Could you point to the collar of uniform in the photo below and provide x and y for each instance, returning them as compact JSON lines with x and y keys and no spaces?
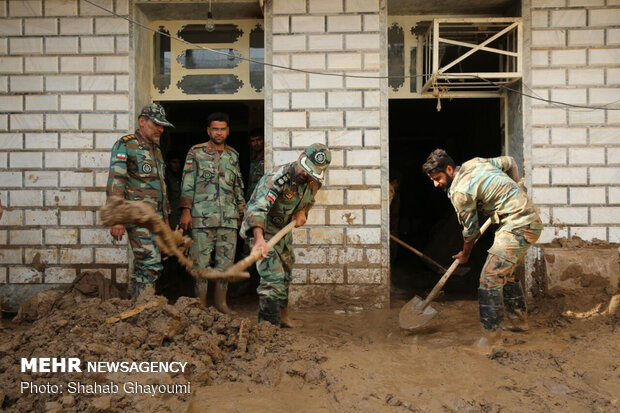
{"x":142,"y":141}
{"x":455,"y":177}
{"x":210,"y":147}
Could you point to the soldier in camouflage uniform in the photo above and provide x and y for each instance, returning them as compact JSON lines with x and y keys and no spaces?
{"x":137,"y":173}
{"x":492,"y":185}
{"x":285,"y":193}
{"x":257,"y":164}
{"x":212,"y":204}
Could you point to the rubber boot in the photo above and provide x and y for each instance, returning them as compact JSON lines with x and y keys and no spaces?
{"x":268,"y":310}
{"x":219,"y":297}
{"x":286,"y":320}
{"x":516,"y":310}
{"x":491,"y":307}
{"x":136,"y":289}
{"x":200,"y":288}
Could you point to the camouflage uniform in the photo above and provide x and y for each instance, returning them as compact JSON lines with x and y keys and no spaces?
{"x":483,"y":183}
{"x":137,"y":174}
{"x":257,"y":169}
{"x":274,"y":202}
{"x":213,"y":190}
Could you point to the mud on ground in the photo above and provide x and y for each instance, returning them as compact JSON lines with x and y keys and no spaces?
{"x":340,"y":361}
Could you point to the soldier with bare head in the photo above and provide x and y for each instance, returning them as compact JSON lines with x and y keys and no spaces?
{"x":137,"y":174}
{"x":493,"y":186}
{"x":212,"y":204}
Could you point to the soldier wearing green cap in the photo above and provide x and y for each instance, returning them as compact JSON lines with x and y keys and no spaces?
{"x":212,"y":205}
{"x":283,"y":194}
{"x":137,"y":174}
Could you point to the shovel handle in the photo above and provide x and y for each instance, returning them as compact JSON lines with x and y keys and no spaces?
{"x":431,"y":296}
{"x":429,"y":260}
{"x":252,"y":258}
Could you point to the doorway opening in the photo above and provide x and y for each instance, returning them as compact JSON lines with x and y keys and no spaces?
{"x":422,"y":215}
{"x":190,"y":121}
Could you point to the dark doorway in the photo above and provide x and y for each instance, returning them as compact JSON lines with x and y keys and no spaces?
{"x":424,"y":217}
{"x":190,"y":121}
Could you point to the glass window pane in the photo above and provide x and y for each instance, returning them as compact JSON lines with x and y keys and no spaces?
{"x":210,"y":84}
{"x":223,"y":33}
{"x":161,"y":68}
{"x":257,"y":55}
{"x":396,"y":56}
{"x":207,"y":59}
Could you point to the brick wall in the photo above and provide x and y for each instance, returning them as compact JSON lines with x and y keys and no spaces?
{"x":342,"y":249}
{"x":64,"y":100}
{"x":576,"y":153}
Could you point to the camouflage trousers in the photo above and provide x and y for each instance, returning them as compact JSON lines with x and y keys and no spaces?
{"x":147,"y":265}
{"x":275,"y":271}
{"x":507,"y":251}
{"x":215,"y":245}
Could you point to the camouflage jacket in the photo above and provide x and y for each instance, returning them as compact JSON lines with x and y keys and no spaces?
{"x":137,"y":172}
{"x":275,"y":200}
{"x":212,"y":186}
{"x":483,"y":183}
{"x":257,"y":169}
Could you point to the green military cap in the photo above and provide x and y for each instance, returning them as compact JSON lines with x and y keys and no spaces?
{"x":315,"y":160}
{"x":156,"y":113}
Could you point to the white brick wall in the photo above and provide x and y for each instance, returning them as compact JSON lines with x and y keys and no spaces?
{"x":335,"y":36}
{"x":64,"y":88}
{"x":575,"y":153}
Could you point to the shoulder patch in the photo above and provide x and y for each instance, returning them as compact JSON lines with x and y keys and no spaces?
{"x":272,"y":196}
{"x":128,"y":137}
{"x":189,"y":162}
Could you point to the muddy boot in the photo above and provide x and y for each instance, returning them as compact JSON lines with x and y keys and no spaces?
{"x":137,"y":288}
{"x":268,"y":310}
{"x":200,"y":288}
{"x":219,"y":297}
{"x":491,"y":306}
{"x":514,"y":303}
{"x":287,"y":321}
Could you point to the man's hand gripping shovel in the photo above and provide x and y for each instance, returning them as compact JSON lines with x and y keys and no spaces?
{"x":416,"y":312}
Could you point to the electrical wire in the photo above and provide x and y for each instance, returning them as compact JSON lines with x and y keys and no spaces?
{"x":345,"y":75}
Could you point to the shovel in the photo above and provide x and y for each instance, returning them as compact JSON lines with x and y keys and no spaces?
{"x":438,"y":268}
{"x":416,"y":312}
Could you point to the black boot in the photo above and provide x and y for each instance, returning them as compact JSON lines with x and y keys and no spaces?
{"x":491,"y":306}
{"x":516,"y":310}
{"x":269,"y":310}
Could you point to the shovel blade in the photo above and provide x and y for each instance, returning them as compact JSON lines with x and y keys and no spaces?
{"x":411,"y":316}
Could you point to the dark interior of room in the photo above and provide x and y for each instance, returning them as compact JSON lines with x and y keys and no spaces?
{"x":465,"y":128}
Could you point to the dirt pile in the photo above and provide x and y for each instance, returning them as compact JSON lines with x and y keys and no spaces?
{"x":217,"y":348}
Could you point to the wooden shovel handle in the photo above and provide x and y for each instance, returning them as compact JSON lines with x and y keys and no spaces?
{"x":431,"y":296}
{"x":242,"y":265}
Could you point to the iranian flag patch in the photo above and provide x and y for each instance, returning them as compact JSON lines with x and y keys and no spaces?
{"x":272,"y":196}
{"x":121,"y":155}
{"x":189,"y":162}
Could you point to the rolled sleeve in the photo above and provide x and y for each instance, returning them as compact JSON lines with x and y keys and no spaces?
{"x":467,"y":214}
